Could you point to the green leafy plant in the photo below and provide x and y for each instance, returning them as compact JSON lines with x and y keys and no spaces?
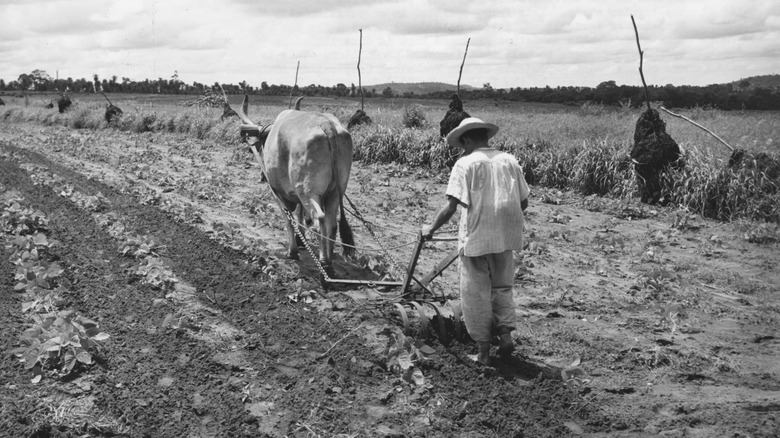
{"x":139,"y":247}
{"x":35,"y":276}
{"x":28,"y":248}
{"x":90,"y":203}
{"x":156,"y":273}
{"x":402,"y":354}
{"x":375,"y":263}
{"x":46,"y":301}
{"x":59,"y":341}
{"x":21,"y":221}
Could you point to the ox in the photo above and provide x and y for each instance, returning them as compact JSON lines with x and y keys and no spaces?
{"x":307,"y":159}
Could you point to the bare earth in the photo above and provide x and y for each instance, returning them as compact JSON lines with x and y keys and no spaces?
{"x":633,"y":321}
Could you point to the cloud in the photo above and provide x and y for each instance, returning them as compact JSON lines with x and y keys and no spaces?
{"x":301,"y":8}
{"x":714,"y":20}
{"x":513,"y":42}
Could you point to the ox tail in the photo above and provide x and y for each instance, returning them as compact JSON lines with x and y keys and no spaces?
{"x":316,"y":209}
{"x":345,"y":232}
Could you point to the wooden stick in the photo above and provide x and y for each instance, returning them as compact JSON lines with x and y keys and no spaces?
{"x":461,"y":66}
{"x":296,"y":84}
{"x":698,"y":126}
{"x":641,"y":56}
{"x":360,"y":80}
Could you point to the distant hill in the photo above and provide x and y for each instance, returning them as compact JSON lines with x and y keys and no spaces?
{"x":770,"y":82}
{"x":400,"y":88}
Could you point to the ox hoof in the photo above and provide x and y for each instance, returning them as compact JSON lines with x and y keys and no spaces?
{"x":293,"y":255}
{"x":324,"y":283}
{"x":330,"y":272}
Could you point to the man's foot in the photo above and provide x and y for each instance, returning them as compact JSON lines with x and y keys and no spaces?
{"x":483,"y":356}
{"x":506,"y":345}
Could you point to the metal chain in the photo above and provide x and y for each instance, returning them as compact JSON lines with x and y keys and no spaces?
{"x":305,"y":241}
{"x":357,"y":214}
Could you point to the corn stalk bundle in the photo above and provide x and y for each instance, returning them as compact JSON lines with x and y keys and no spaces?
{"x":113,"y":112}
{"x":654,"y":150}
{"x":359,"y":118}
{"x":760,"y":162}
{"x":63,"y":103}
{"x":453,"y":117}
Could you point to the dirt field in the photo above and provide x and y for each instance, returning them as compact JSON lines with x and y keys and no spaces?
{"x":632,"y":321}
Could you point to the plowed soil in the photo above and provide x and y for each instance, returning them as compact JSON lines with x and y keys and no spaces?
{"x":632,"y":321}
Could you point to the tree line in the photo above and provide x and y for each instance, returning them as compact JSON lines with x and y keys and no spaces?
{"x":738,"y":96}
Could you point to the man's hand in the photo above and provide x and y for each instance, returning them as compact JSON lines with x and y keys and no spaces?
{"x":444,"y":215}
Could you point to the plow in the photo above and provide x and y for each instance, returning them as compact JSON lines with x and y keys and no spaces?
{"x":412,"y":294}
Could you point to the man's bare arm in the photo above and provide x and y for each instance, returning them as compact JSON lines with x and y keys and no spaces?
{"x":442,"y":217}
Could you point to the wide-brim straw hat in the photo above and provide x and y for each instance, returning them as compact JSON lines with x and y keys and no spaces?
{"x":467,"y":124}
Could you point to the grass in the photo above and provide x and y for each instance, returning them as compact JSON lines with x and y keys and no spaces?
{"x":583,"y":149}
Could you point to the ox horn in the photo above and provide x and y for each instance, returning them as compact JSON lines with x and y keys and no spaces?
{"x":243,"y":110}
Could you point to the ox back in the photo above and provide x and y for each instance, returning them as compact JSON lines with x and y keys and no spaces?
{"x":308,"y":159}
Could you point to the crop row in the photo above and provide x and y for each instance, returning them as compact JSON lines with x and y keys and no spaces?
{"x":59,"y":338}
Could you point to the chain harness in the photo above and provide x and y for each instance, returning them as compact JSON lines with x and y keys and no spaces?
{"x":387,"y":253}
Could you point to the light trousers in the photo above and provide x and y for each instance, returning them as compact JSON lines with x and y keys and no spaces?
{"x":486,"y":294}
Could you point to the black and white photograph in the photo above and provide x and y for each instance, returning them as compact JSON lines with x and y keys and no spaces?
{"x":408,"y":218}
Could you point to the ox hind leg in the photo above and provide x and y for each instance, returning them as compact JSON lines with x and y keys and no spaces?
{"x":295,"y":210}
{"x":325,"y":215}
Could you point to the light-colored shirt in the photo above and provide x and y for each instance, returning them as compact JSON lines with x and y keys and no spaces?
{"x":490,"y":186}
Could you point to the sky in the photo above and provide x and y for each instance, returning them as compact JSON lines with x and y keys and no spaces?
{"x":513,"y":43}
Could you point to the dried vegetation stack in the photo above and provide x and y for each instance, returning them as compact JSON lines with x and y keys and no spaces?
{"x":208,"y":100}
{"x":759,"y":162}
{"x":227,"y":111}
{"x":359,"y":118}
{"x":112,"y":112}
{"x":653,"y":152}
{"x":63,"y":103}
{"x":453,"y":117}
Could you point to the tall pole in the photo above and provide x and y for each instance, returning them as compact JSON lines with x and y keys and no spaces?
{"x":641,"y":53}
{"x":360,"y":80}
{"x":461,"y":65}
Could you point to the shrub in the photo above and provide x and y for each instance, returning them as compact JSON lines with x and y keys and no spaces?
{"x":414,"y":117}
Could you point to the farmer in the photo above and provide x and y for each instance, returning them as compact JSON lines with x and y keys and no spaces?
{"x":490,"y":186}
